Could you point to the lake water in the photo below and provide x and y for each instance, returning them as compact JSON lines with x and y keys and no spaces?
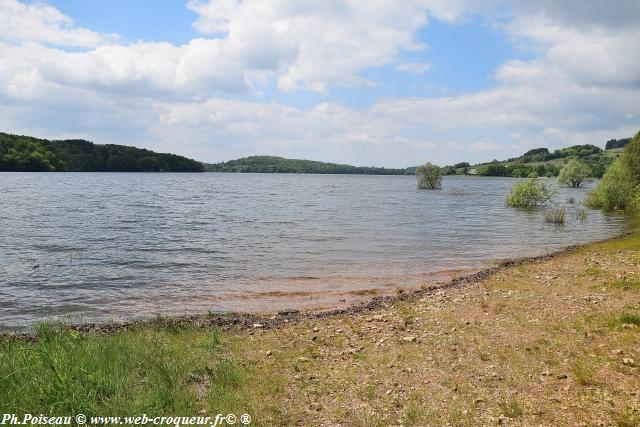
{"x":97,"y":246}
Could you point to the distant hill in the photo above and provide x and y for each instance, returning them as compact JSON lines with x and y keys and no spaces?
{"x":28,"y":154}
{"x":542,"y":162}
{"x":272,"y":164}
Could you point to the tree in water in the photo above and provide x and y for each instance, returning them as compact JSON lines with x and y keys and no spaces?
{"x":429,"y":176}
{"x":574,"y":173}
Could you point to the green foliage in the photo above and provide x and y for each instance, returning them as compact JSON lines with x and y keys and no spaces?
{"x":429,"y":176}
{"x":535,"y":155}
{"x":616,"y":143}
{"x":273,"y":164}
{"x":614,"y":191}
{"x":574,"y":173}
{"x":543,"y":154}
{"x":539,"y":161}
{"x":493,"y":169}
{"x":147,"y":370}
{"x":631,"y":158}
{"x":27,"y":154}
{"x":517,"y":170}
{"x":530,"y":194}
{"x":630,"y":319}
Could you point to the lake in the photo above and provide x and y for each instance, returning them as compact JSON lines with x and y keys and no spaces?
{"x":98,"y":246}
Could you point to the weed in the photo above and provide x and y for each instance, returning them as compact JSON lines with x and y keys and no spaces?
{"x":511,"y":408}
{"x":581,"y":215}
{"x":625,"y":284}
{"x":554,"y":215}
{"x":583,"y":374}
{"x":626,"y":418}
{"x":630,"y":319}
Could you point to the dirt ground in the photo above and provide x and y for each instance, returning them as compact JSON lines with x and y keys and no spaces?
{"x":553,"y":342}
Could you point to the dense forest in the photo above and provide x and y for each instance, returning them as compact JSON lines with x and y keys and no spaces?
{"x":272,"y":164}
{"x":617,"y":143}
{"x":28,"y":154}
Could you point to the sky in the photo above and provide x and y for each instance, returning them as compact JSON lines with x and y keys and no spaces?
{"x":366,"y":82}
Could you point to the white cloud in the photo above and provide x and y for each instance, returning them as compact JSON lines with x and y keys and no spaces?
{"x":39,"y":22}
{"x":313,"y":45}
{"x":414,"y":67}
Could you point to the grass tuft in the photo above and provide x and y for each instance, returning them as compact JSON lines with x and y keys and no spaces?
{"x":584,"y":375}
{"x":554,"y":215}
{"x":511,"y":408}
{"x":630,"y":319}
{"x":625,"y":284}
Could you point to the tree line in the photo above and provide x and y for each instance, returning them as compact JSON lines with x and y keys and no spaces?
{"x":273,"y":164}
{"x":28,"y":154}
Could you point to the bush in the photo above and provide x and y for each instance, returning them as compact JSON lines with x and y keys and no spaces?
{"x":574,"y":173}
{"x":530,"y":194}
{"x":429,"y":176}
{"x":631,"y":158}
{"x":615,"y":191}
{"x":554,"y":215}
{"x":620,"y":185}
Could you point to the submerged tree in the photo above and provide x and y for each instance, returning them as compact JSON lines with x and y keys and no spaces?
{"x":429,"y":176}
{"x":574,"y":173}
{"x":530,"y":194}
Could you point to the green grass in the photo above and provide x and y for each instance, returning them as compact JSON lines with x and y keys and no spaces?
{"x":583,"y":374}
{"x":512,"y":408}
{"x":145,"y":370}
{"x":630,"y":319}
{"x":625,"y":284}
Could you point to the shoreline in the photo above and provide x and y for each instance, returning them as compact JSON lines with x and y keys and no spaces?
{"x":546,"y":340}
{"x":261,"y":320}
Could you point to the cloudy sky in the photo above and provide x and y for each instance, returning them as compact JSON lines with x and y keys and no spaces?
{"x":366,"y":82}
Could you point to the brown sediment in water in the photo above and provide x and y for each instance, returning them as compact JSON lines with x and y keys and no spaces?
{"x":241,"y":320}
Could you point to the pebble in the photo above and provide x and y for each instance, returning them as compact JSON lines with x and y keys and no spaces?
{"x":258,"y":325}
{"x":409,"y":339}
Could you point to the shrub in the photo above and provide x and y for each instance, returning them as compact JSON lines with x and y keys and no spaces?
{"x":574,"y":173}
{"x":530,"y":194}
{"x":615,"y":191}
{"x":554,"y":215}
{"x":429,"y":176}
{"x":620,"y":185}
{"x":631,"y":158}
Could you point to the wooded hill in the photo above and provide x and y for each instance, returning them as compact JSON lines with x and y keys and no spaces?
{"x":28,"y":154}
{"x":272,"y":164}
